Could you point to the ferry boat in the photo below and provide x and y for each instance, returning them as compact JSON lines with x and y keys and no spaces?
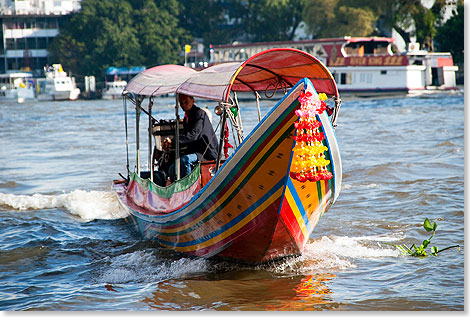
{"x":363,"y":65}
{"x":17,"y":87}
{"x":57,"y":85}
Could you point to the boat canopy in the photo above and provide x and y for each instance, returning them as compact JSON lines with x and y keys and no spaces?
{"x":270,"y":70}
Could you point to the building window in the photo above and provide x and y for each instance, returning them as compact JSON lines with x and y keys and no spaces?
{"x":346,"y":79}
{"x":383,"y":72}
{"x":52,"y":24}
{"x":21,"y":43}
{"x":12,"y":64}
{"x":41,"y":23}
{"x":21,"y":63}
{"x":343,"y":78}
{"x":20,"y":24}
{"x":42,"y":43}
{"x":10,"y":44}
{"x":32,"y":24}
{"x":31,"y":43}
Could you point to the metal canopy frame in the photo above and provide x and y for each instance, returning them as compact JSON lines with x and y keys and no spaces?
{"x":265,"y":71}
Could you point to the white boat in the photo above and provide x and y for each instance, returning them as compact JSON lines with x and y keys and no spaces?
{"x":57,"y":85}
{"x":116,"y":79}
{"x":411,"y":72}
{"x":16,"y":87}
{"x":113,"y":89}
{"x":364,"y":66}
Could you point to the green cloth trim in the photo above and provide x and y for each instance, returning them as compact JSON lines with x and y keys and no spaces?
{"x":176,"y":187}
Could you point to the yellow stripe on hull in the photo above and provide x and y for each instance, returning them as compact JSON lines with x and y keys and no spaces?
{"x":296,"y":211}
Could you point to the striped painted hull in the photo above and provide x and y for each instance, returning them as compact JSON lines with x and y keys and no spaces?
{"x":252,"y":210}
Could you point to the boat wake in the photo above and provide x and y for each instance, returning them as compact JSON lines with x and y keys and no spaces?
{"x":146,"y":266}
{"x":338,"y":253}
{"x":326,"y":254}
{"x":87,"y":205}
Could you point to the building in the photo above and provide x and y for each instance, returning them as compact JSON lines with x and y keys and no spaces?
{"x":28,"y":26}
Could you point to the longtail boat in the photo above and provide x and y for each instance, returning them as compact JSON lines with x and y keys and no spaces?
{"x":261,"y":202}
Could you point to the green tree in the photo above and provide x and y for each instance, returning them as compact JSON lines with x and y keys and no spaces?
{"x":272,"y":20}
{"x":338,"y":18}
{"x":161,"y":37}
{"x":98,"y":36}
{"x":319,"y":16}
{"x":119,"y":33}
{"x":450,"y":36}
{"x":67,"y":51}
{"x":115,"y":41}
{"x":425,"y":20}
{"x":207,"y":19}
{"x":411,"y":18}
{"x":225,"y":21}
{"x":355,"y":21}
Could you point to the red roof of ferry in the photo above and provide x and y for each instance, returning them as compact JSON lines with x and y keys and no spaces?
{"x":323,"y":40}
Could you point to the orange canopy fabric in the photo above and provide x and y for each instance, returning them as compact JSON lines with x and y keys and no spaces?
{"x":266,"y":70}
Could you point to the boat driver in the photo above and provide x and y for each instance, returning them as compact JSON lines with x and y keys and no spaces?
{"x":198,"y":141}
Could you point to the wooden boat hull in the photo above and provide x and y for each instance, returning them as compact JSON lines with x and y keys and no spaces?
{"x":252,"y":210}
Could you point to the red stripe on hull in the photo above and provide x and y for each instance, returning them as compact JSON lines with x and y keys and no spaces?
{"x":282,"y":243}
{"x":291,"y":223}
{"x":254,"y":241}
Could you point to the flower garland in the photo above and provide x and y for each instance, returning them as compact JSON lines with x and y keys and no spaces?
{"x":309,"y":158}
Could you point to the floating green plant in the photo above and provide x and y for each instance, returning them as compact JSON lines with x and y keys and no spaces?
{"x":420,"y":251}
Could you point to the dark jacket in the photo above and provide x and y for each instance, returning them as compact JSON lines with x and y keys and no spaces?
{"x":199,"y":136}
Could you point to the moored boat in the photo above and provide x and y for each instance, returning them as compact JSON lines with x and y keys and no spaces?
{"x":57,"y":85}
{"x":116,"y":79}
{"x":17,"y":87}
{"x":263,"y":201}
{"x":114,"y":89}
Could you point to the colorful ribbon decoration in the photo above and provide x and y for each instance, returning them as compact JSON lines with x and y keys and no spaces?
{"x":309,"y":152}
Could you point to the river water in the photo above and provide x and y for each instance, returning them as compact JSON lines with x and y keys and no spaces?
{"x":65,"y":246}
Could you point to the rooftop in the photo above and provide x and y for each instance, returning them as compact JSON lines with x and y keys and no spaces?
{"x":14,"y":8}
